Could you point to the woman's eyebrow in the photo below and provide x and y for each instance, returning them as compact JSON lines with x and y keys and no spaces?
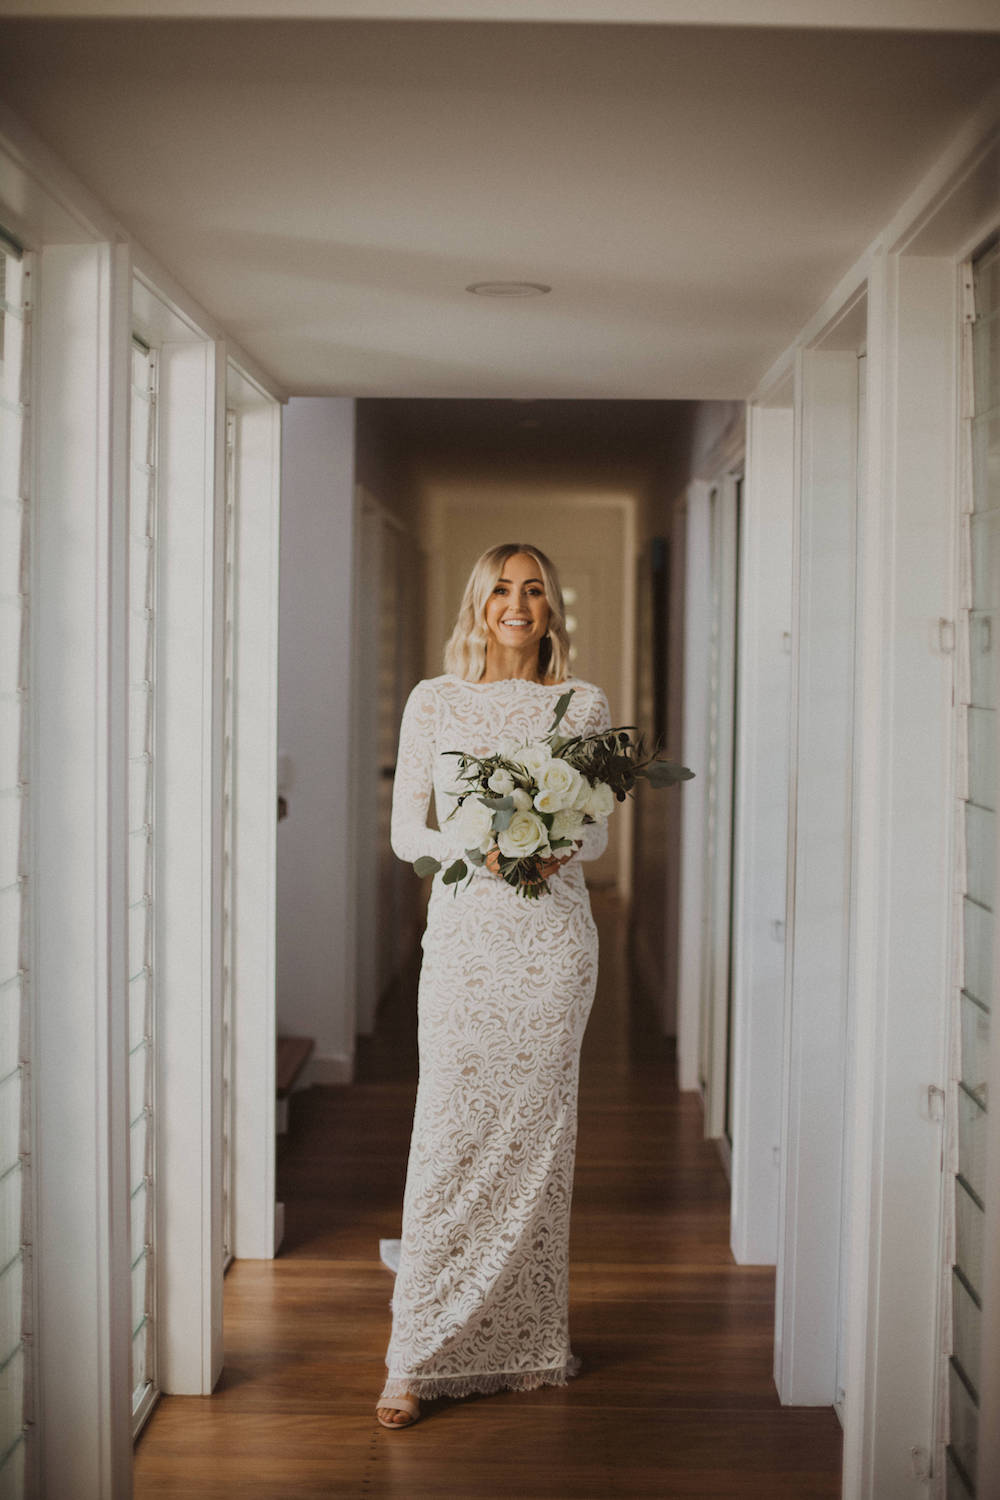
{"x":527,"y":580}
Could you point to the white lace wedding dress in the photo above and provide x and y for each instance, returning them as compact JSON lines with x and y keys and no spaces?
{"x":481,"y":1294}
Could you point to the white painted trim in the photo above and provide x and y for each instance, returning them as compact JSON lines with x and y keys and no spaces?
{"x":82,"y":1251}
{"x":972,"y":140}
{"x":717,"y":924}
{"x":630,"y":550}
{"x":692,"y":838}
{"x":159,"y":280}
{"x":760,"y":840}
{"x":816,"y":977}
{"x":826,"y":316}
{"x":254,"y":874}
{"x":988,"y":1474}
{"x":727,"y":454}
{"x":189,"y":832}
{"x":56,"y":207}
{"x":364,"y":710}
{"x":976,"y":139}
{"x":988,"y":1470}
{"x":902,"y":871}
{"x":31,"y":1406}
{"x":317,"y":927}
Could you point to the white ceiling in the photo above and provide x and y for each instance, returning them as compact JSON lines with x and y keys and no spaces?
{"x":328,"y":189}
{"x":908,"y":15}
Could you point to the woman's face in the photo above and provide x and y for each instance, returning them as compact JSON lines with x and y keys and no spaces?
{"x":517,"y":611}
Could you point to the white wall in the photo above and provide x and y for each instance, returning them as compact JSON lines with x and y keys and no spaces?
{"x":315,"y":943}
{"x":764,"y":683}
{"x":694,"y":754}
{"x":81,"y":1253}
{"x":885,"y":969}
{"x":818,"y":895}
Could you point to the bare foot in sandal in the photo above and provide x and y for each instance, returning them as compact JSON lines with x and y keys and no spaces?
{"x":398,"y":1411}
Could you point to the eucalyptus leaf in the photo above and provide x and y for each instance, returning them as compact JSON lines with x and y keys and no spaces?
{"x":475,"y":857}
{"x":664,"y":773}
{"x":426,"y":865}
{"x":502,"y":818}
{"x":498,"y":804}
{"x":455,"y":872}
{"x":562,"y":704}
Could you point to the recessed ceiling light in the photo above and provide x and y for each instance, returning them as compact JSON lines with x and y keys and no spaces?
{"x":508,"y":289}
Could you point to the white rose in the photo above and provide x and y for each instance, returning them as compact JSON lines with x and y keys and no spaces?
{"x":501,"y":782}
{"x":558,"y":784}
{"x":581,"y":801}
{"x":475,"y":824}
{"x":525,"y":834}
{"x":601,"y":802}
{"x":567,"y":825}
{"x":533,"y":758}
{"x":522,"y":802}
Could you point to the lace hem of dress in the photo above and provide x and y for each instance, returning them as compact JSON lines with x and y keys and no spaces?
{"x":428,"y":1387}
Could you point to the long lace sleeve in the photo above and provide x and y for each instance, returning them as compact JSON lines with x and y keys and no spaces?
{"x":595,"y":835}
{"x":411,"y":793}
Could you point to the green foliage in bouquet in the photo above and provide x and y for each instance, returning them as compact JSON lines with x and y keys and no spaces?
{"x":604,"y":765}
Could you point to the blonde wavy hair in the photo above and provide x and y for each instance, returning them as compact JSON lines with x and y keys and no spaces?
{"x":465,"y":653}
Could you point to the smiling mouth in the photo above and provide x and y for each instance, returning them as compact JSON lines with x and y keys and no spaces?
{"x":516,"y":623}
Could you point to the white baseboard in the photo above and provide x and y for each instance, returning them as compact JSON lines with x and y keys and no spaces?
{"x":326,"y":1067}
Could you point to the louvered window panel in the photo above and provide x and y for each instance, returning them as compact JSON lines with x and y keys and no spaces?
{"x":141,"y":877}
{"x":977,"y":896}
{"x":16,"y":1363}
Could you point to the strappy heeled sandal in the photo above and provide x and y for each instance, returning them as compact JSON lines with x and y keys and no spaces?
{"x":398,"y":1403}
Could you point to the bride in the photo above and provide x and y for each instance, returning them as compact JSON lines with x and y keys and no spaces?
{"x":481,"y":1295}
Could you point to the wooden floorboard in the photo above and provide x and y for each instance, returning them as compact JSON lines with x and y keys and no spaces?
{"x":675,"y":1398}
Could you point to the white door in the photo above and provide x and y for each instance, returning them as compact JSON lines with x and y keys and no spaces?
{"x":715,"y":1019}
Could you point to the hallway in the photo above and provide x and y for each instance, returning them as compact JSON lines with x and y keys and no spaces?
{"x":675,"y":1398}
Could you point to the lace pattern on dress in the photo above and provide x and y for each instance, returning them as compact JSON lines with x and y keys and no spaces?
{"x":481,"y":1295}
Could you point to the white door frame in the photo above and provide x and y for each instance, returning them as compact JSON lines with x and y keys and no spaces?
{"x":85,"y":291}
{"x":819,"y":877}
{"x":255,"y":778}
{"x":79,"y":699}
{"x":693,"y":811}
{"x":764,"y":644}
{"x":719,"y":777}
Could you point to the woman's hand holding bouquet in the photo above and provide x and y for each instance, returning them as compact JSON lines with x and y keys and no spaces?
{"x":522,"y":811}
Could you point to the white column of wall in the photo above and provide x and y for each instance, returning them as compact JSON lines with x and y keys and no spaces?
{"x":255,"y":714}
{"x":816,"y":975}
{"x":697,"y":626}
{"x":760,"y":852}
{"x":187,"y":963}
{"x":316,"y":917}
{"x":368,"y":553}
{"x":902,"y":876}
{"x":78,"y":691}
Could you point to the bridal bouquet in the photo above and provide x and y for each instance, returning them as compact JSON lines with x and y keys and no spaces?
{"x":532,"y":802}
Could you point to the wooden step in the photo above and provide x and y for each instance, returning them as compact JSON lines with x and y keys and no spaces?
{"x":293,"y":1054}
